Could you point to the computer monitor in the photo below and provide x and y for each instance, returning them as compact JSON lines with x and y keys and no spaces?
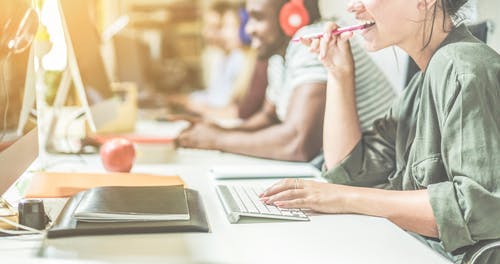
{"x":85,"y":41}
{"x":86,"y":63}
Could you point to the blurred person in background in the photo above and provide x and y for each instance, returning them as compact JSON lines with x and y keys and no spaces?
{"x":212,"y":51}
{"x":228,"y":63}
{"x":289,"y":124}
{"x":255,"y":96}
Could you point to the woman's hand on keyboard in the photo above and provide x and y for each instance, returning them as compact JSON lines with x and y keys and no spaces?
{"x":317,"y":196}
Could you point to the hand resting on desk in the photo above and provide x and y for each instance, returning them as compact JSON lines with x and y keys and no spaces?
{"x":199,"y":135}
{"x":193,"y":119}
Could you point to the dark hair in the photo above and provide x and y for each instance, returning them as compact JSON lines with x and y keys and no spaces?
{"x":312,"y":7}
{"x":221,"y":7}
{"x":448,"y":7}
{"x":451,"y":7}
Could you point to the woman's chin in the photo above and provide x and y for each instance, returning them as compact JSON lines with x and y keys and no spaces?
{"x":374,"y":45}
{"x":372,"y":41}
{"x":370,"y":46}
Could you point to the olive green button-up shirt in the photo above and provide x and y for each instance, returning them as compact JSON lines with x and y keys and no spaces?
{"x":443,"y":135}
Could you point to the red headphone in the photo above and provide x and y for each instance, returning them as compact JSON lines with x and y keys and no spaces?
{"x":293,"y":16}
{"x":18,"y":32}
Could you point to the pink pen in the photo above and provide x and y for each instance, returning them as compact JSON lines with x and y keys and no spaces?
{"x":336,"y":32}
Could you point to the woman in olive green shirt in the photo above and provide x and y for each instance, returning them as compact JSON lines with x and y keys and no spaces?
{"x":435,"y":156}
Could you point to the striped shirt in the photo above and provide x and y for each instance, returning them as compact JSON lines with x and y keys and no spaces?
{"x":374,"y":93}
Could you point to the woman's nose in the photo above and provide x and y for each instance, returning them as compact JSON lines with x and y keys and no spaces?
{"x":355,"y":6}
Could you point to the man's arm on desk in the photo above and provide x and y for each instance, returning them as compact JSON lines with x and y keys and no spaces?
{"x":264,"y":118}
{"x":298,"y":138}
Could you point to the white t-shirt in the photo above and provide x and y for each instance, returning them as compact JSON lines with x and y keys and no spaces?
{"x":373,"y":91}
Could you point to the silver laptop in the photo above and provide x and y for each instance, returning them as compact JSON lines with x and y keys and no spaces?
{"x":14,"y":160}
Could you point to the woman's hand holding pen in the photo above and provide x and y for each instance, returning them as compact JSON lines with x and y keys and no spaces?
{"x":298,"y":193}
{"x":334,"y":51}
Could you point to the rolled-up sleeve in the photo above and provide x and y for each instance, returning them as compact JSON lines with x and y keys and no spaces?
{"x":372,"y":160}
{"x":467,"y":208}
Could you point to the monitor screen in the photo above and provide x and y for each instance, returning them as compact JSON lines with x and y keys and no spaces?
{"x":86,"y":63}
{"x":86,"y":43}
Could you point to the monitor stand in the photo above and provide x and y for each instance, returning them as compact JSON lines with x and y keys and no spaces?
{"x":98,"y":115}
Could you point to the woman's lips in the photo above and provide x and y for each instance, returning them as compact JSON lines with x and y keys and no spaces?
{"x":369,"y":26}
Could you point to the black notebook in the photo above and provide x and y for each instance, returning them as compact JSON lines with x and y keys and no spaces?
{"x":150,"y":203}
{"x":66,"y":225}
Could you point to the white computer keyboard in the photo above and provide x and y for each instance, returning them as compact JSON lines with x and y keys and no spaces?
{"x":241,"y":201}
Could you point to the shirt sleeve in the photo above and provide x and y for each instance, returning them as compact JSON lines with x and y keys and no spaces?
{"x":304,"y":66}
{"x":275,"y":73}
{"x":373,"y":159}
{"x":467,"y":208}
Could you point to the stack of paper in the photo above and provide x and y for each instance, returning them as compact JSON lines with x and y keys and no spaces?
{"x":264,"y":171}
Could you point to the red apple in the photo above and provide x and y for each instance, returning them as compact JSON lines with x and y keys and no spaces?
{"x":117,"y":155}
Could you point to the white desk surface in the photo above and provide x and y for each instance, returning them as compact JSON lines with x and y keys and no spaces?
{"x":325,"y":239}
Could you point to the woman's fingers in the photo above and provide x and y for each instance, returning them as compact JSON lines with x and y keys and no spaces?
{"x":344,"y":39}
{"x":287,"y":195}
{"x":324,"y":44}
{"x":327,"y":39}
{"x":294,"y":194}
{"x":306,"y":41}
{"x":296,"y":203}
{"x":343,"y":42}
{"x":294,"y":198}
{"x":278,"y":187}
{"x":330,"y":26}
{"x":314,"y":47}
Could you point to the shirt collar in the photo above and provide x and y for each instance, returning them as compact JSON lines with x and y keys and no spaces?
{"x":459,"y":33}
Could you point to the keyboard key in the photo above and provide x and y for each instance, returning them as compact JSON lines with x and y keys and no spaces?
{"x":259,"y":190}
{"x":273,"y":209}
{"x":255,"y":200}
{"x":258,"y":203}
{"x":286,"y":212}
{"x":246,"y":200}
{"x":236,"y":198}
